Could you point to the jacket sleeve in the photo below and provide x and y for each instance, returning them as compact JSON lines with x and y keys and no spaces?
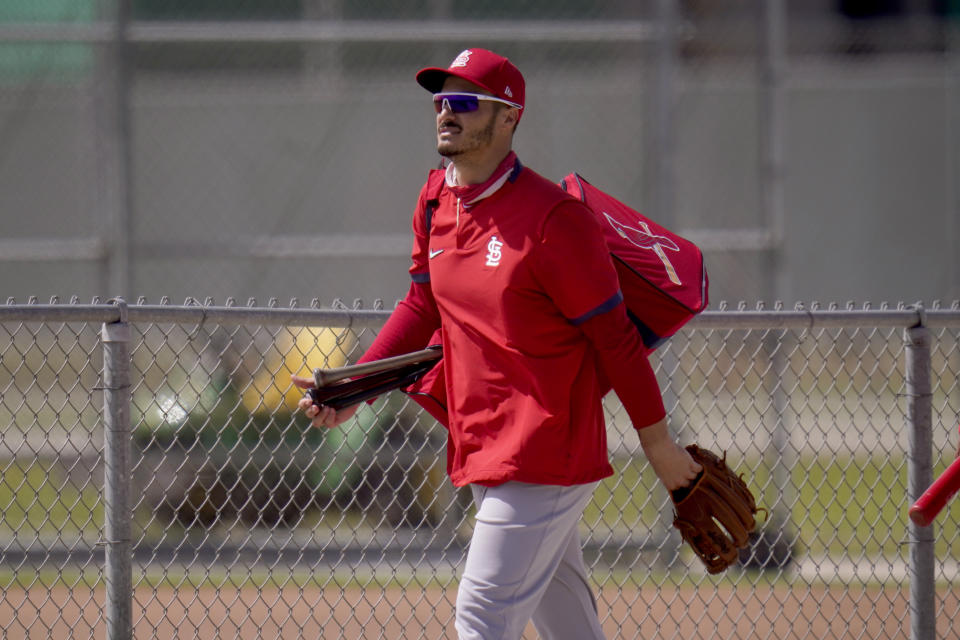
{"x":574,"y":267}
{"x":409,"y":327}
{"x":623,"y":359}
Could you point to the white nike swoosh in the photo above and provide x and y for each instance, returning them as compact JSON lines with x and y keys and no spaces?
{"x":434,"y":254}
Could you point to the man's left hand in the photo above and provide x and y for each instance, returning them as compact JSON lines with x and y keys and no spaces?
{"x":673,"y":464}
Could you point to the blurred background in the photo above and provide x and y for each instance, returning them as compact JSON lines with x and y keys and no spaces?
{"x":275,"y":148}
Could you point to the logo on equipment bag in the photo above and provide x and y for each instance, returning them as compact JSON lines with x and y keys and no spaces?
{"x":645,"y":239}
{"x":493,"y":252}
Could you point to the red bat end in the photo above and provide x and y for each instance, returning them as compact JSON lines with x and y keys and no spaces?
{"x":926,"y":508}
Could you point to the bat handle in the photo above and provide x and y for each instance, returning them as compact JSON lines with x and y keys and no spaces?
{"x":324,"y":377}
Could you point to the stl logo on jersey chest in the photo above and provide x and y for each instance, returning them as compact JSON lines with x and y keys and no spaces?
{"x":493,"y":252}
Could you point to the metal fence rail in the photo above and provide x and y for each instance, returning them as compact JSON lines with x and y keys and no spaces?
{"x":156,"y":481}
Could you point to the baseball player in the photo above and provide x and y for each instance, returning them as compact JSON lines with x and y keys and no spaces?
{"x":534,"y":332}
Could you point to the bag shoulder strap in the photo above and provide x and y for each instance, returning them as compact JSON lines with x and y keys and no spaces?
{"x":435,"y":182}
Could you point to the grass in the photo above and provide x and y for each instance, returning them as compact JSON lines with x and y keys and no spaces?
{"x":855,"y":507}
{"x":38,"y":499}
{"x":852,"y":507}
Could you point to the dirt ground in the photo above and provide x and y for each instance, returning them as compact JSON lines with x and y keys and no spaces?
{"x":809,"y":612}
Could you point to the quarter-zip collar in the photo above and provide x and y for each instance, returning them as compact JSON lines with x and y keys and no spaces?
{"x":470,"y":194}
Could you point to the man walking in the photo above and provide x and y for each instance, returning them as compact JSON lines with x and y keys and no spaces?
{"x":534,"y":330}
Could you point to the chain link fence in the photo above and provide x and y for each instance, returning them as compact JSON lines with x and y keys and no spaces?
{"x":156,"y":482}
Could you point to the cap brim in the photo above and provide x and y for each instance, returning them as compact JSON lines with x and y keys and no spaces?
{"x":432,"y":79}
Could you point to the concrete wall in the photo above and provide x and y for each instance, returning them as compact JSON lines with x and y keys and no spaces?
{"x":871,"y":155}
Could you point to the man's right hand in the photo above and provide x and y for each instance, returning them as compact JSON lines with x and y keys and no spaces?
{"x":321,"y":416}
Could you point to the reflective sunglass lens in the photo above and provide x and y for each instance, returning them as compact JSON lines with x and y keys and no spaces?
{"x":456,"y":104}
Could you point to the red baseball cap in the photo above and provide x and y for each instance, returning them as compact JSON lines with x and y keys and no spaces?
{"x":483,"y":68}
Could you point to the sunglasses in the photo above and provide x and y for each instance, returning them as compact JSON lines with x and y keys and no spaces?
{"x":465,"y":102}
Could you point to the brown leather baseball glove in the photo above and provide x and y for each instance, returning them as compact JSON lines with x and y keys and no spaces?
{"x":715,"y":513}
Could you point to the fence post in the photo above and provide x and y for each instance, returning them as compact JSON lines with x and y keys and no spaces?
{"x":920,"y":470}
{"x":116,"y":486}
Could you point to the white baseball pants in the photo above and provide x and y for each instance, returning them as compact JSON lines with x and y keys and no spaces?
{"x":525,"y":562}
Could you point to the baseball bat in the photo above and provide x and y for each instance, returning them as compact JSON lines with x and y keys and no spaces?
{"x":344,"y":394}
{"x":926,"y":508}
{"x":324,"y":377}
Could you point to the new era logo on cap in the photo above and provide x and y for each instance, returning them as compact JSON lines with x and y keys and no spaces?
{"x":483,"y":68}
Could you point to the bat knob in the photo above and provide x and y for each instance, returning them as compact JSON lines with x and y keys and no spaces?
{"x":918,"y":517}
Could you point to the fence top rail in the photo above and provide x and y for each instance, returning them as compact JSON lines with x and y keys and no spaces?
{"x":194,"y":315}
{"x":199,"y":314}
{"x":828,"y":319}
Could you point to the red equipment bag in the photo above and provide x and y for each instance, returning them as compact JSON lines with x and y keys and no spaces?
{"x":662,"y":278}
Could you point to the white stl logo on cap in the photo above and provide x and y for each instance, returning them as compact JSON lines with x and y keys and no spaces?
{"x":462,"y":59}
